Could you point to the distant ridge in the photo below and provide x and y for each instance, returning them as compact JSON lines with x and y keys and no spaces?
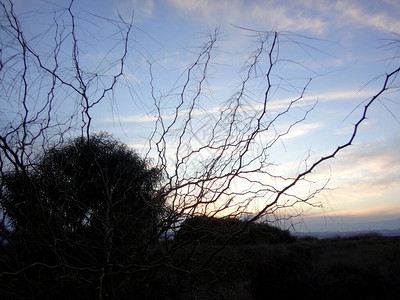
{"x":335,"y":224}
{"x":331,"y":234}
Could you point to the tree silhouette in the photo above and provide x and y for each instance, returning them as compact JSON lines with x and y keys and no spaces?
{"x":90,"y":203}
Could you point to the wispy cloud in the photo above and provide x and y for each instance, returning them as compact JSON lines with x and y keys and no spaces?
{"x":273,"y":105}
{"x":286,"y":17}
{"x":302,"y":129}
{"x":341,"y":95}
{"x":361,"y":14}
{"x":141,"y":9}
{"x":308,"y":15}
{"x":209,"y":10}
{"x":267,"y":14}
{"x":373,"y":165}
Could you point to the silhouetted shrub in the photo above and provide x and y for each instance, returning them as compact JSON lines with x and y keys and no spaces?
{"x":203,"y":229}
{"x":87,"y":210}
{"x":365,"y":236}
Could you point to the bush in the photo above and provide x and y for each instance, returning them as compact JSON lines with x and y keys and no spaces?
{"x":83,"y":214}
{"x":203,"y":229}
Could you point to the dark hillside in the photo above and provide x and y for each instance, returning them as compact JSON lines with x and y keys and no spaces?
{"x":361,"y":267}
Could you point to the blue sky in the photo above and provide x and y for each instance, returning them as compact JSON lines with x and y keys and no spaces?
{"x":343,"y":45}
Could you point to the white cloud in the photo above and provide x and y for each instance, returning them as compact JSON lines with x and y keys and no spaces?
{"x":353,"y":12}
{"x":341,"y":95}
{"x":265,"y":14}
{"x":348,"y":130}
{"x":209,"y":10}
{"x":302,"y":129}
{"x":313,"y":16}
{"x":286,"y":18}
{"x":372,"y":166}
{"x":274,"y":105}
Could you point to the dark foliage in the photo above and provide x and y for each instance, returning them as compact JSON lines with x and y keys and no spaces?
{"x":203,"y":229}
{"x":340,"y":268}
{"x":82,"y":216}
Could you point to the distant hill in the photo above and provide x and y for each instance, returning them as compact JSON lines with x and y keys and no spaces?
{"x":348,"y":224}
{"x":330,"y":234}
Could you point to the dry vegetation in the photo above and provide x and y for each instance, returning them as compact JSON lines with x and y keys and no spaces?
{"x":361,"y":267}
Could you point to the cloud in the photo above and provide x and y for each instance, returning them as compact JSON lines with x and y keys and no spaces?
{"x":373,"y":166}
{"x":348,"y":130}
{"x":208,"y":11}
{"x":141,"y":9}
{"x":302,"y":129}
{"x":205,"y":6}
{"x":268,"y":14}
{"x":341,"y":95}
{"x":364,"y":177}
{"x":284,"y":17}
{"x":308,"y":15}
{"x":356,"y":13}
{"x":273,"y":105}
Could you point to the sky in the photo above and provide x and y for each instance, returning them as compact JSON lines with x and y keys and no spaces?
{"x":344,"y":46}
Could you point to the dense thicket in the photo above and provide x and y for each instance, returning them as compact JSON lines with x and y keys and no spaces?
{"x":230,"y":231}
{"x":82,"y":215}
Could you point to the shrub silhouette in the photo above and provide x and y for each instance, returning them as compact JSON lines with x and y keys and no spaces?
{"x":206,"y":230}
{"x":84,"y":212}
